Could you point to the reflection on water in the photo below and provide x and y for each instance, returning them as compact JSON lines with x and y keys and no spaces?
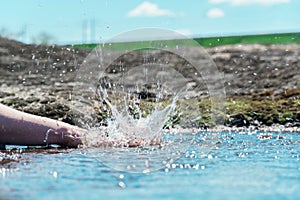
{"x":238,"y":165}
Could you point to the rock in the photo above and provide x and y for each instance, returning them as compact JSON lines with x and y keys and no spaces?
{"x":32,"y":99}
{"x":5,"y":94}
{"x":40,"y":79}
{"x":2,"y":147}
{"x":238,"y":120}
{"x":264,"y":137}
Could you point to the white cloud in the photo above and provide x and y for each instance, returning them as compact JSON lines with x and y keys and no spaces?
{"x":244,"y":2}
{"x":147,"y":9}
{"x":215,"y":13}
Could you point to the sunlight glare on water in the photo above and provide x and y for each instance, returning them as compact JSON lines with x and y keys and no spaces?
{"x":239,"y":165}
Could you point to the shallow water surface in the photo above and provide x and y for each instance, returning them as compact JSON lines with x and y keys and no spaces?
{"x":240,"y":165}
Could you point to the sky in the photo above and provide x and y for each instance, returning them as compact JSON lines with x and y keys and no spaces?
{"x":85,"y":21}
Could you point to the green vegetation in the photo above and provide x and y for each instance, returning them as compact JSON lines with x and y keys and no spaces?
{"x":280,"y":38}
{"x":257,"y":109}
{"x":283,"y":38}
{"x":265,"y":108}
{"x":241,"y":111}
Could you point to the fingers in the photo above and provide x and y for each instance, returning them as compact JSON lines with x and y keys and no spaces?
{"x":71,"y":137}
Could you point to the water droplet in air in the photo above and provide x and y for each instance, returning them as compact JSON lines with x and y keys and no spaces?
{"x":156,"y":86}
{"x":122,"y":184}
{"x":55,"y":174}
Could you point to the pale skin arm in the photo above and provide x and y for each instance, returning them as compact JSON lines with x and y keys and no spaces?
{"x":19,"y":128}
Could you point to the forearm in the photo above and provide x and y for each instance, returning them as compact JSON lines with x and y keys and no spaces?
{"x":21,"y":128}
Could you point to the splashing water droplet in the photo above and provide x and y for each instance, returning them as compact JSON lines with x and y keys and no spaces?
{"x":137,"y":100}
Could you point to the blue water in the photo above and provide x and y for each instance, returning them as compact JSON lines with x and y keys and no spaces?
{"x":240,"y":167}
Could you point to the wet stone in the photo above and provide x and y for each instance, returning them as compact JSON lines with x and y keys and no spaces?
{"x":32,"y":99}
{"x":16,"y":102}
{"x":256,"y":72}
{"x":238,"y":120}
{"x":47,"y":100}
{"x":5,"y":94}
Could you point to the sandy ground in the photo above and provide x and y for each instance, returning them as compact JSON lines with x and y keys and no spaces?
{"x":40,"y":79}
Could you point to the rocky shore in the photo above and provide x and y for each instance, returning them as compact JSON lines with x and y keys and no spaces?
{"x":261,"y":82}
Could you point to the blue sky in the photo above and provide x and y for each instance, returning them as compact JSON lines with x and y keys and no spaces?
{"x":77,"y":21}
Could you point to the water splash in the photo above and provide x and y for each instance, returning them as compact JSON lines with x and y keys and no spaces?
{"x":135,"y":92}
{"x":146,"y":130}
{"x":129,"y":122}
